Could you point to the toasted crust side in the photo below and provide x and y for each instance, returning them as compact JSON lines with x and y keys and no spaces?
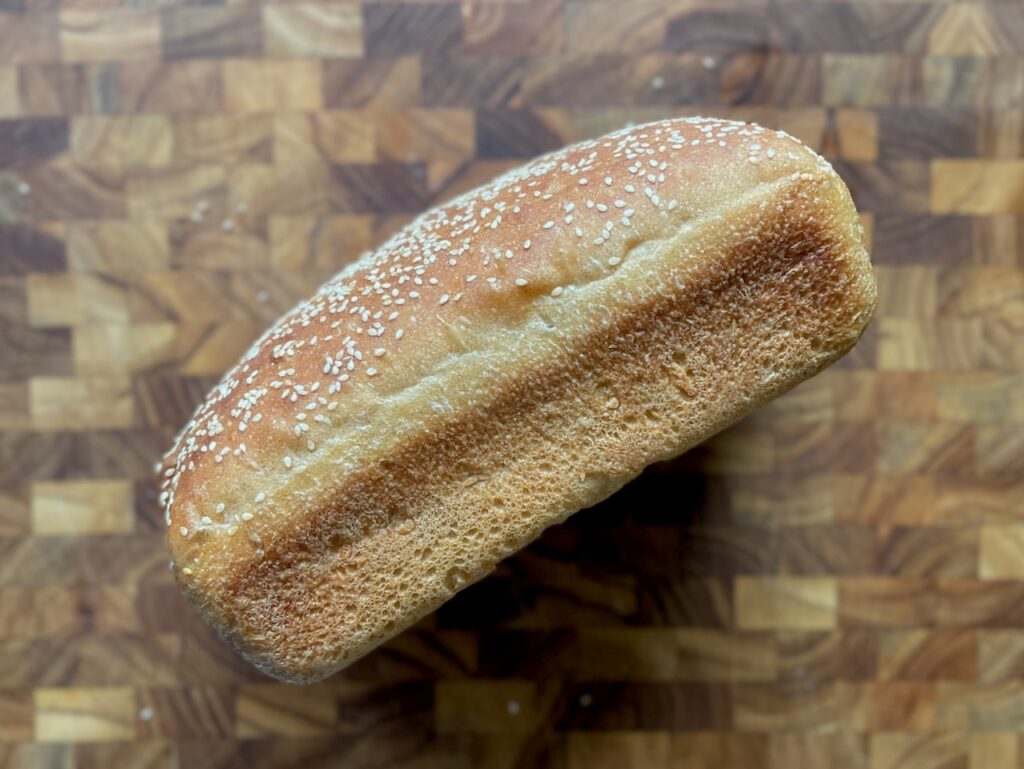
{"x":531,"y":368}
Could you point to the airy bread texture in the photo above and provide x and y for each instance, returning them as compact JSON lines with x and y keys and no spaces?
{"x":504,"y":361}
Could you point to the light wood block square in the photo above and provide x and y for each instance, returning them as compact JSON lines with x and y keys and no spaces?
{"x":786,"y":603}
{"x":323,"y":137}
{"x":68,"y":299}
{"x":84,"y":715}
{"x":109,"y":34}
{"x":897,"y":750}
{"x":271,"y":84}
{"x":137,"y":141}
{"x":313,"y":30}
{"x":118,"y":246}
{"x":10,"y":104}
{"x":978,"y":187}
{"x":995,"y":751}
{"x":1002,"y":552}
{"x":81,"y":403}
{"x":83,"y":507}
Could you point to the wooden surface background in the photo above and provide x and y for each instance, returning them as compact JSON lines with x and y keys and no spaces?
{"x":837,"y":582}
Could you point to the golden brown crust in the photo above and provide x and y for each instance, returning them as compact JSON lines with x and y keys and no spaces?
{"x":539,"y":367}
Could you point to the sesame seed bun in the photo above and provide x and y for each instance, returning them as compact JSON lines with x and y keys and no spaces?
{"x":504,"y":361}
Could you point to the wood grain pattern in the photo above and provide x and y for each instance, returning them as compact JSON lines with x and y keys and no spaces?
{"x":838,"y":581}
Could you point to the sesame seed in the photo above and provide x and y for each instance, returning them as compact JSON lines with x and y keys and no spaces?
{"x":183,"y":531}
{"x":246,"y":516}
{"x":379,"y":352}
{"x":219,"y":508}
{"x":287,"y":462}
{"x":206,"y":520}
{"x":371,"y":372}
{"x":527,"y":244}
{"x":260,"y":497}
{"x":521,"y":282}
{"x":614,"y":261}
{"x":583,"y":182}
{"x":557,"y":291}
{"x":548,"y":224}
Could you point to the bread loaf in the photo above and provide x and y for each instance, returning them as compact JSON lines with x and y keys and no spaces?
{"x":507,"y":359}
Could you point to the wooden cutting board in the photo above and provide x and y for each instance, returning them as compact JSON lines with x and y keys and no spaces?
{"x":836,"y":582}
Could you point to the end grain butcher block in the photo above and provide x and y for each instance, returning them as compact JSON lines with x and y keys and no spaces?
{"x":836,"y":581}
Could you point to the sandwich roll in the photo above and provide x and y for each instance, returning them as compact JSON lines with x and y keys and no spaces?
{"x":505,"y":360}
